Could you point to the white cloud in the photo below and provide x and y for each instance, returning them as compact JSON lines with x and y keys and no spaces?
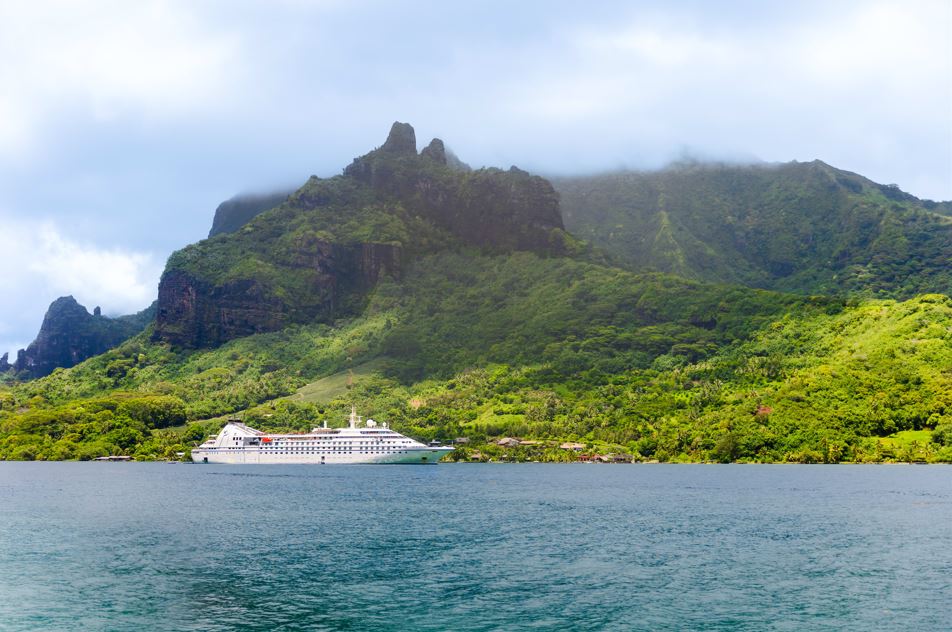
{"x":879,"y":42}
{"x":858,"y":85}
{"x":106,"y":57}
{"x":659,"y":46}
{"x":147,"y":113}
{"x":43,"y":264}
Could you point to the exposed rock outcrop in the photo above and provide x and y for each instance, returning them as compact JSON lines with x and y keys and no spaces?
{"x":401,"y":140}
{"x":70,"y":334}
{"x":195,"y":313}
{"x":490,"y":208}
{"x":435,"y":151}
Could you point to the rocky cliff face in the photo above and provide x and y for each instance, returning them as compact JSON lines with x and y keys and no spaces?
{"x":70,"y":334}
{"x":195,"y":313}
{"x":490,"y":208}
{"x":315,"y":256}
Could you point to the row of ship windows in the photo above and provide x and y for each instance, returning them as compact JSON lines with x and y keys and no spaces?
{"x":321,"y":448}
{"x":296,"y":452}
{"x":338,"y":442}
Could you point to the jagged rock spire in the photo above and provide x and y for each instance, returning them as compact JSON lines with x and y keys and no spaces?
{"x":401,"y":140}
{"x":435,"y":151}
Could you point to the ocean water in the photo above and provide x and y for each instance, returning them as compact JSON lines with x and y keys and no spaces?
{"x":130,"y":546}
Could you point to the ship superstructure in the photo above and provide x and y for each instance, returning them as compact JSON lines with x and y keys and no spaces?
{"x":359,"y":442}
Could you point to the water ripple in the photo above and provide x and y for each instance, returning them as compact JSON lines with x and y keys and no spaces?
{"x":474,"y":547}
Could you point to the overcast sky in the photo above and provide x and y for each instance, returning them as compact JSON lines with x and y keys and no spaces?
{"x":124,"y":124}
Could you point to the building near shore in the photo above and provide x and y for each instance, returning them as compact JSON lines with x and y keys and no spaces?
{"x":571,"y":445}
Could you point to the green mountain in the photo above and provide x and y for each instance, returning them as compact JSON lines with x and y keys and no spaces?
{"x":316,"y":256}
{"x":452,"y":303}
{"x":794,"y":227}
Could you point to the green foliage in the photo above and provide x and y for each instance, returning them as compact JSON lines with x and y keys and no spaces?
{"x":861,"y":385}
{"x":942,"y":435}
{"x":82,"y":429}
{"x":543,"y":349}
{"x":476,"y":316}
{"x":155,"y":411}
{"x":800,"y":227}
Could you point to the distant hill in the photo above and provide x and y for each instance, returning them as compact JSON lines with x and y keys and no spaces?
{"x":234,"y":213}
{"x":799,"y":227}
{"x":942,"y":208}
{"x":70,"y":334}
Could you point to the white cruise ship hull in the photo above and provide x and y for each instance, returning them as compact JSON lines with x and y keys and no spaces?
{"x":370,"y":443}
{"x":261,"y":457}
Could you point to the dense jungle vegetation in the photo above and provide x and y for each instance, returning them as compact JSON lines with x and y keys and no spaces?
{"x":543,"y":349}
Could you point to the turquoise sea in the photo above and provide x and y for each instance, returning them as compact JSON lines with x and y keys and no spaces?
{"x":130,"y":546}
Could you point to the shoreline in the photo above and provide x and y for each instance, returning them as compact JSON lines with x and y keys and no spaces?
{"x":444,"y":463}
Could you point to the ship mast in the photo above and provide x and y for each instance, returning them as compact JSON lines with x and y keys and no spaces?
{"x":353,"y":416}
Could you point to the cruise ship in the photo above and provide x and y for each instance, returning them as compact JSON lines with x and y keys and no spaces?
{"x":360,"y":442}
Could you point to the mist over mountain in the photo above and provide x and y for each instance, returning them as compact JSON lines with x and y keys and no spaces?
{"x":315,"y":256}
{"x":792,"y":312}
{"x":795,"y":227}
{"x":234,"y":213}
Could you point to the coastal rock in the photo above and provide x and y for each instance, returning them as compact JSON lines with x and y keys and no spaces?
{"x":193,"y":313}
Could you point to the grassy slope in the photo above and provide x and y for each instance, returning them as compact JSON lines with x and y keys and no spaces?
{"x":326,"y":389}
